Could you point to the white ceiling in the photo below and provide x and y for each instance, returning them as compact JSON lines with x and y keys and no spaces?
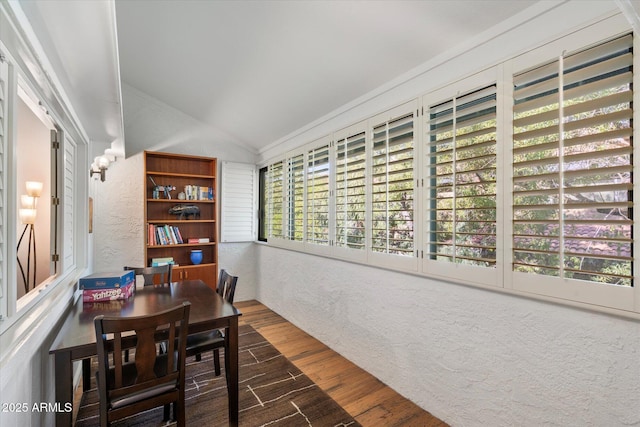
{"x":259,"y":70}
{"x":252,"y":71}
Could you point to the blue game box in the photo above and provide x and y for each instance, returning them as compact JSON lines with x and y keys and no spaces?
{"x":107,"y":280}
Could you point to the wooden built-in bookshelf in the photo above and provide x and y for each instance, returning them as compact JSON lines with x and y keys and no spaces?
{"x":179,"y":171}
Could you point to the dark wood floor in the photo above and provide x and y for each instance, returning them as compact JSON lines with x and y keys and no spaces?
{"x":363,"y":396}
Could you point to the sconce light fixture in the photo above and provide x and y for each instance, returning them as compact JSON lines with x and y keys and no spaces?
{"x":99,"y":166}
{"x":27,"y":216}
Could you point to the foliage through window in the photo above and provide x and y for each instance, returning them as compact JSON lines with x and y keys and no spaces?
{"x":318,"y":195}
{"x":572,"y":171}
{"x":295,"y":198}
{"x":274,"y":188}
{"x":543,"y":208}
{"x":462,"y":180}
{"x":350,"y":193}
{"x":393,"y":187}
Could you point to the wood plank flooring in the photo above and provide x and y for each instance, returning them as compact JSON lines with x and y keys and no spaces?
{"x":363,"y":396}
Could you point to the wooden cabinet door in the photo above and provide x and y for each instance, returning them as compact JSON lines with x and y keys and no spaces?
{"x":205,"y":272}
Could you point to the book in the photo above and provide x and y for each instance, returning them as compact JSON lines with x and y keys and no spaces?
{"x":198,"y":240}
{"x":157,"y":262}
{"x":107,"y":280}
{"x":108,"y":294}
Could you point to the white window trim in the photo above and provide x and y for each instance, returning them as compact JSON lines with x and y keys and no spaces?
{"x":54,"y":293}
{"x":487,"y":276}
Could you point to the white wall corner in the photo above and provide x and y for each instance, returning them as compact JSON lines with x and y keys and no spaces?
{"x":631,"y":10}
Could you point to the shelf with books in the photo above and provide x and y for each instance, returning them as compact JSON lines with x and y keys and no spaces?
{"x":175,"y":220}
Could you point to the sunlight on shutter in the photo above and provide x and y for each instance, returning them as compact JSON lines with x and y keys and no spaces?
{"x":393,"y":187}
{"x":295,"y":198}
{"x":318,"y":196}
{"x":572,"y":185}
{"x":350,"y":193}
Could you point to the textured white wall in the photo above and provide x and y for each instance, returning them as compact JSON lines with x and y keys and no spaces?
{"x":469,"y":356}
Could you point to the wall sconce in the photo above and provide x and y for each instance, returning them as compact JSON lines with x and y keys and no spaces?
{"x":99,"y":166}
{"x":27,"y":216}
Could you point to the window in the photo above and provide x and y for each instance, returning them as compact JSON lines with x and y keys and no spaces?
{"x":350,"y":189}
{"x":295,"y":198}
{"x":392,"y":186}
{"x":38,"y":151}
{"x":572,"y":166}
{"x":263,"y":201}
{"x":318,"y":195}
{"x":274,"y":189}
{"x":43,"y":225}
{"x":462,"y":179}
{"x":521,"y":181}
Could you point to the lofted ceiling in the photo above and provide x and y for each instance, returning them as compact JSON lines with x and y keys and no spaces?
{"x":259,"y":70}
{"x":252,"y":72}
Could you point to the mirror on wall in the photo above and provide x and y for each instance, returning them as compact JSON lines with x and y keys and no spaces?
{"x":34,"y":223}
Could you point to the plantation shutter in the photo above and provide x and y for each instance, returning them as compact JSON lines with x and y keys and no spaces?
{"x":350,"y":191}
{"x":392,"y":186}
{"x":275,"y":200}
{"x":462,"y":161}
{"x":318,"y":195}
{"x":69,"y":194}
{"x":4,"y":110}
{"x":237,"y":202}
{"x":295,"y":198}
{"x":572,"y":184}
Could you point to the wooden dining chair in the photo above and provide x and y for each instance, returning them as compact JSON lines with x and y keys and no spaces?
{"x":216,"y":339}
{"x":152,"y":379}
{"x":160,"y":275}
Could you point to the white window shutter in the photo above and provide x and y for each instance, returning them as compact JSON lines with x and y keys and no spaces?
{"x":69,"y":197}
{"x":4,"y":103}
{"x":238,"y":202}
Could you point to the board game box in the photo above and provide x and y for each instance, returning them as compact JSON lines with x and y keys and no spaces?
{"x":107,"y":280}
{"x":108,"y":294}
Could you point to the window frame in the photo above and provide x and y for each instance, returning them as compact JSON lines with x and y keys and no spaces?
{"x":69,"y":218}
{"x":484,"y":276}
{"x":592,"y":294}
{"x":343,"y":252}
{"x":403,"y":262}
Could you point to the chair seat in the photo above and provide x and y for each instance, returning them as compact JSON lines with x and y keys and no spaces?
{"x":205,"y":341}
{"x":129,"y":378}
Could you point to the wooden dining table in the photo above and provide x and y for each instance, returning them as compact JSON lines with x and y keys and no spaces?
{"x":76,"y":338}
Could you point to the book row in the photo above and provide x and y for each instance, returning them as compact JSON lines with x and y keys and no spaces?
{"x":164,"y":235}
{"x":196,"y":192}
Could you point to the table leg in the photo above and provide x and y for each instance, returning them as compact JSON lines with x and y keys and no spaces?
{"x":232,"y":380}
{"x":64,"y":387}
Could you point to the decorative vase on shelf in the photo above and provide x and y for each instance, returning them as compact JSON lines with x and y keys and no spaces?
{"x":196,"y":256}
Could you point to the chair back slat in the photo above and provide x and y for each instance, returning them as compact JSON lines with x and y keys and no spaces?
{"x":227,"y":286}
